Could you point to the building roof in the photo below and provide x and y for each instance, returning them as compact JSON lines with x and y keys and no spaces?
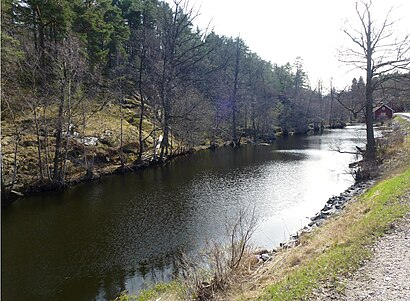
{"x":380,"y":106}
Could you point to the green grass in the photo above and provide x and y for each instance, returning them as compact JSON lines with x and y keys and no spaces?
{"x":380,"y":206}
{"x":172,"y":290}
{"x":403,"y":123}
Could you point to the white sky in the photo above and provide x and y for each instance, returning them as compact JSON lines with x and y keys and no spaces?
{"x":280,"y":30}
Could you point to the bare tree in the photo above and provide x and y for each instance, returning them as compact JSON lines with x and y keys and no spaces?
{"x":222,"y":262}
{"x":379,"y":53}
{"x":69,"y":67}
{"x":235,"y":141}
{"x":181,"y":50}
{"x":7,"y":187}
{"x":351,"y":99}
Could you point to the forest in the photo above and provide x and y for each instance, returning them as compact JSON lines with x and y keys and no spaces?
{"x":88,"y":85}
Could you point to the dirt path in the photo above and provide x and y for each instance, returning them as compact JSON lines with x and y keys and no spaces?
{"x":387,"y":275}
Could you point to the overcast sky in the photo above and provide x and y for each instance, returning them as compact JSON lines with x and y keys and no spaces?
{"x":281,"y":30}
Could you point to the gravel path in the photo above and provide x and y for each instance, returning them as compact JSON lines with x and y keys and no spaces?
{"x":387,"y":275}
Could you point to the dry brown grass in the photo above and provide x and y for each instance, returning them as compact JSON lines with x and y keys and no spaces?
{"x":394,"y":148}
{"x":103,"y":121}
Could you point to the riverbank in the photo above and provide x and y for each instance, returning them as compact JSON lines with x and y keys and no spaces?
{"x":98,"y":148}
{"x":28,"y":186}
{"x":101,"y":142}
{"x":324,"y":256}
{"x":337,"y":249}
{"x":91,"y":150}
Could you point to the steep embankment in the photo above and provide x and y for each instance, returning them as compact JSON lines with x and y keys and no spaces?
{"x":91,"y":144}
{"x":90,"y":141}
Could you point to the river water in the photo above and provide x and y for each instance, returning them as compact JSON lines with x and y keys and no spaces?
{"x":97,"y":239}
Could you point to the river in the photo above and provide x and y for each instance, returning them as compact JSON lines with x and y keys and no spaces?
{"x":97,"y":239}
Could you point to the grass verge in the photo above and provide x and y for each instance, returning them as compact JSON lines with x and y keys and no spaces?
{"x":161,"y":291}
{"x":368,"y":219}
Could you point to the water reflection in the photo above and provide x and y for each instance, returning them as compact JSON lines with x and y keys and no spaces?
{"x":122,"y":233}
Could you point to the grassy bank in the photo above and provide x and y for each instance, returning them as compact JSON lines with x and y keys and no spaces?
{"x":340,"y":246}
{"x":162,"y":291}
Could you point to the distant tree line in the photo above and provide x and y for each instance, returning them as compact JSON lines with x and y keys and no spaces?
{"x":73,"y":57}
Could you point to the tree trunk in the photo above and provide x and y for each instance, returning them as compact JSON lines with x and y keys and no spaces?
{"x":140,"y":138}
{"x":154,"y":137}
{"x":140,"y":89}
{"x":67,"y":144}
{"x":164,"y":142}
{"x":234,"y":94}
{"x":40,"y":161}
{"x":46,"y":145}
{"x":86,"y":165}
{"x":37,"y":128}
{"x":121,"y":133}
{"x":59,"y":132}
{"x":166,"y":105}
{"x":253,"y":122}
{"x":331,"y":105}
{"x":371,"y":144}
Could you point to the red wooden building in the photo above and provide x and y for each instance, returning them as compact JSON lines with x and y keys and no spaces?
{"x":383,"y":112}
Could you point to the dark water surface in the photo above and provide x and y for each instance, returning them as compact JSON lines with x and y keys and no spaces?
{"x":94,"y":240}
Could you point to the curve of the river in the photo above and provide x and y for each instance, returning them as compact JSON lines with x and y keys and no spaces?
{"x":97,"y":239}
